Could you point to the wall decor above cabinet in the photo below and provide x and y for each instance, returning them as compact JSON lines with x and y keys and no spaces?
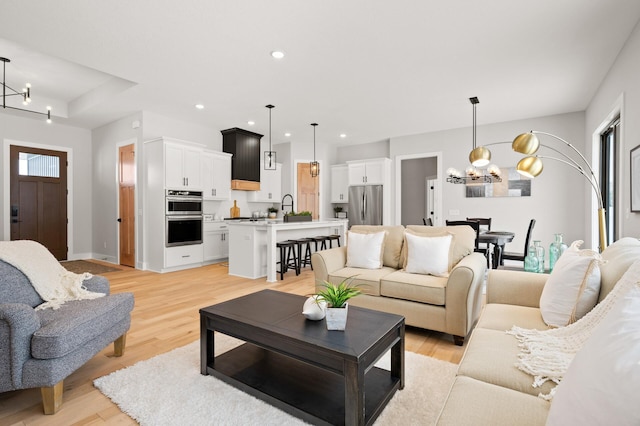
{"x":245,"y":163}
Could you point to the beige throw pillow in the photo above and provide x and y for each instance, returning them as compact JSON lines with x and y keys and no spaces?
{"x":572,"y":288}
{"x":365,"y":250}
{"x":428,"y":255}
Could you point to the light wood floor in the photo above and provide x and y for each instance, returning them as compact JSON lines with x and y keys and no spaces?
{"x":166,"y":317}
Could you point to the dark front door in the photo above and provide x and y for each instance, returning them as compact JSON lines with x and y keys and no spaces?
{"x":39,"y":197}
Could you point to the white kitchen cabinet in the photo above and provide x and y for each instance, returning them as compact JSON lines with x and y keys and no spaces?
{"x":369,"y":172}
{"x":216,"y":241}
{"x":340,"y":183}
{"x":183,"y":166}
{"x":270,"y":186}
{"x":183,"y":255}
{"x":216,"y":175}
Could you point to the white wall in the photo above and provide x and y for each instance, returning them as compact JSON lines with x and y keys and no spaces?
{"x":106,"y":140}
{"x":621,"y":89}
{"x":32,"y":129}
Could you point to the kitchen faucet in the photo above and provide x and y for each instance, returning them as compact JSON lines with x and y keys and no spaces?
{"x":287,"y":205}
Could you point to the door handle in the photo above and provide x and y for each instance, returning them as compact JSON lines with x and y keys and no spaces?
{"x":119,"y":219}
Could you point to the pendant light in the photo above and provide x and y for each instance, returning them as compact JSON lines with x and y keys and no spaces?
{"x":270,"y":156}
{"x":479,"y":156}
{"x":314,"y":165}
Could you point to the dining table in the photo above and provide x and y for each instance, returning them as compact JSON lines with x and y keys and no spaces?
{"x":498,"y":239}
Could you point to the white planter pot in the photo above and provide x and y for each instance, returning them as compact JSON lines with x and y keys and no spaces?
{"x":337,"y":318}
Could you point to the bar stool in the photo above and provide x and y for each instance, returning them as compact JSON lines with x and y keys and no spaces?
{"x":288,"y":258}
{"x":304,"y":253}
{"x":333,"y":237}
{"x":322,"y":239}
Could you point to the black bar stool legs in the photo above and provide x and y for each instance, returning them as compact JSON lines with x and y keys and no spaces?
{"x":288,"y":257}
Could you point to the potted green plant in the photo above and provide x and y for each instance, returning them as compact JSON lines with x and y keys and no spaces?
{"x":303,"y":216}
{"x":336,"y":296}
{"x":273,"y":211}
{"x":338,"y":210}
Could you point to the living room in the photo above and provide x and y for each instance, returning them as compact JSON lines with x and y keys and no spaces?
{"x":576,"y":107}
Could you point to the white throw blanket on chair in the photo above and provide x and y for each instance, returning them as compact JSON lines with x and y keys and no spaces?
{"x":52,"y":281}
{"x":546,"y":354}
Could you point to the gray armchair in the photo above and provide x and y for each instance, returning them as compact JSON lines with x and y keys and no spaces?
{"x":40,"y":348}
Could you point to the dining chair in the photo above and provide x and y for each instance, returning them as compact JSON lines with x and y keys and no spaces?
{"x":485,"y":225}
{"x":520,"y":256}
{"x":427,"y":221}
{"x":476,"y":227}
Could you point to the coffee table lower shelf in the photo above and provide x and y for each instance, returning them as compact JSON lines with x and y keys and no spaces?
{"x":303,"y":390}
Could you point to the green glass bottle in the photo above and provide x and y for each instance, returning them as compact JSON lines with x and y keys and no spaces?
{"x":531,"y":260}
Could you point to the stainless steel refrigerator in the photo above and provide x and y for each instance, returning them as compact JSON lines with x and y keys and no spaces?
{"x":365,"y":205}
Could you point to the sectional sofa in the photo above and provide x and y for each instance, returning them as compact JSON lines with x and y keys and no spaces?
{"x":489,"y":389}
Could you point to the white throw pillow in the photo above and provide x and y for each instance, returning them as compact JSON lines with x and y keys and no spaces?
{"x":602,"y":382}
{"x":572,"y":288}
{"x":428,"y":255}
{"x":365,"y":250}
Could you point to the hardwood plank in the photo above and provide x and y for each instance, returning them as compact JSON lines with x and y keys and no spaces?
{"x":166,"y":317}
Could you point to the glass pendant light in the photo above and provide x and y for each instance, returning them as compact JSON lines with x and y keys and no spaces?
{"x":270,"y":156}
{"x":314,"y":166}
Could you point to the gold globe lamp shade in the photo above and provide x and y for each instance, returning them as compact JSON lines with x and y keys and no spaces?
{"x":530,"y":167}
{"x":480,"y":156}
{"x":526,"y":143}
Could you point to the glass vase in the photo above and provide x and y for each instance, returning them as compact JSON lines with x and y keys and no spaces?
{"x":539,"y":250}
{"x":555,"y":251}
{"x":531,"y":260}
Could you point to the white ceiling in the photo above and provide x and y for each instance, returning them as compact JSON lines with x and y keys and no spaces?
{"x":372,"y":69}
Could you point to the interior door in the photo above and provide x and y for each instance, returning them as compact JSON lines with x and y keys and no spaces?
{"x":127,"y":191}
{"x":308,"y":192}
{"x":38,"y":186}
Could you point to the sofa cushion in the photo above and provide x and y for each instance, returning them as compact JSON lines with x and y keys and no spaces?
{"x":392,"y":242}
{"x":77,"y":322}
{"x":414,"y":287}
{"x":464,"y":240}
{"x":365,"y":250}
{"x":572,"y":288}
{"x":496,"y":316}
{"x":618,"y":256}
{"x":491,"y":356}
{"x":602,"y":382}
{"x":367,"y":279}
{"x":472,"y":402}
{"x":428,"y":255}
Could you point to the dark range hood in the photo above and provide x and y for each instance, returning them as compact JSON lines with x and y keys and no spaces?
{"x":245,"y":163}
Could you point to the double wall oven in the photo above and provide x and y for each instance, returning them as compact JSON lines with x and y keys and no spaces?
{"x":183,"y":210}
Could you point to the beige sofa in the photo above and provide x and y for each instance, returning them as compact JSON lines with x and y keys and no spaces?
{"x":489,"y":389}
{"x":450,"y":305}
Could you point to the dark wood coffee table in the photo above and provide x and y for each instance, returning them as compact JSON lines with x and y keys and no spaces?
{"x":297,"y":365}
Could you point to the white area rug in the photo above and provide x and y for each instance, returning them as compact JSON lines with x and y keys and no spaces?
{"x":169,"y":390}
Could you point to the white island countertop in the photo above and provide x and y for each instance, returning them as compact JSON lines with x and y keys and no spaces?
{"x":252,"y":244}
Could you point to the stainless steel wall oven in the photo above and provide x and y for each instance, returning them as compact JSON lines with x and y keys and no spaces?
{"x":183,"y":218}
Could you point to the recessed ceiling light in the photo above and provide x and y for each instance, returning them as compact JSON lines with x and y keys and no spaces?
{"x":277,"y":54}
{"x":287,"y":134}
{"x":343,"y":135}
{"x":199,"y":106}
{"x":251,"y":123}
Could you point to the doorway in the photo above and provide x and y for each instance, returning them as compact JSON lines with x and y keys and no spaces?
{"x":38,"y":197}
{"x":126,"y":201}
{"x":308,"y":192}
{"x":418,"y":189}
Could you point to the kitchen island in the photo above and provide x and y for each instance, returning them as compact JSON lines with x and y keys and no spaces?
{"x":252,"y":244}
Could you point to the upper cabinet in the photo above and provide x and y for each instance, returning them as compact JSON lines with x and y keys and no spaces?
{"x":340,"y":183}
{"x":183,"y":166}
{"x":270,"y":186}
{"x":369,"y":172}
{"x":216,"y":175}
{"x":245,"y":163}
